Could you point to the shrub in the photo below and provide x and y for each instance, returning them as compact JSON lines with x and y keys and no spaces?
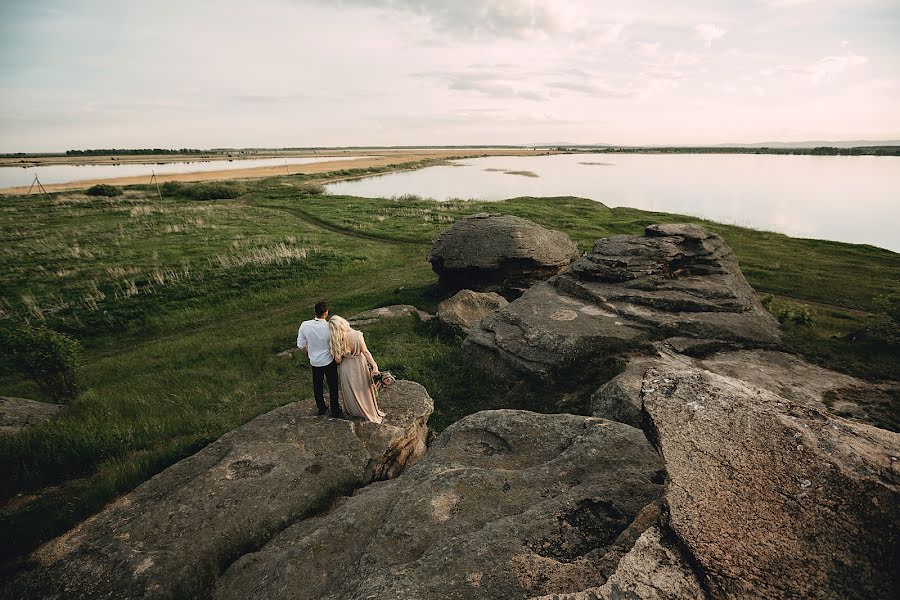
{"x":885,"y":324}
{"x":48,"y":357}
{"x":889,"y":305}
{"x":789,"y":315}
{"x":407,"y":198}
{"x":172,"y":188}
{"x":310,"y":189}
{"x":795,"y":315}
{"x":101,"y":189}
{"x":215,"y":190}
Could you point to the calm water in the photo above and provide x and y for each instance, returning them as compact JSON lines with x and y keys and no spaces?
{"x":18,"y":176}
{"x":844,"y":198}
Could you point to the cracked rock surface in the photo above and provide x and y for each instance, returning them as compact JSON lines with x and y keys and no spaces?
{"x":506,"y":504}
{"x":786,"y":375}
{"x":173,"y":534}
{"x":676,"y":280}
{"x":775,"y":498}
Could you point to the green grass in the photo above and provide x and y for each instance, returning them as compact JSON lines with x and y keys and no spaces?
{"x":182,"y":304}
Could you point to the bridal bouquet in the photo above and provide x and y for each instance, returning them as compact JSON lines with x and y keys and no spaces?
{"x":383,"y":380}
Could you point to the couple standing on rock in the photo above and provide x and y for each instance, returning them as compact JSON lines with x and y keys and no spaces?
{"x":332,"y":342}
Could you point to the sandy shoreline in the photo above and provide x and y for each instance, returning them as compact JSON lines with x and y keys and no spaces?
{"x":342,"y":160}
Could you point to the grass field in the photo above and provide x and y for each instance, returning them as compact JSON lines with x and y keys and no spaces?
{"x":181,"y":305}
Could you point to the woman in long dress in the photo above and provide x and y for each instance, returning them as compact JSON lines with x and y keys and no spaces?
{"x":353,"y":357}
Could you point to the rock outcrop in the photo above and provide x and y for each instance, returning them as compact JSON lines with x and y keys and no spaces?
{"x":173,"y":534}
{"x":500,"y":253}
{"x":506,"y":504}
{"x":396,"y":311}
{"x":19,"y":413}
{"x":786,"y":375}
{"x":774,"y":498}
{"x":677,"y":280}
{"x":466,"y":308}
{"x":794,"y":378}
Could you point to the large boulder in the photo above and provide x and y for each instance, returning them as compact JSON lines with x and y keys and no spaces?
{"x":506,"y":504}
{"x":775,"y":498}
{"x":174,"y":534}
{"x":501,"y":253}
{"x":466,"y":308}
{"x":677,"y":280}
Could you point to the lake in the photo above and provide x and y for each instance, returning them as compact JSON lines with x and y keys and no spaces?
{"x":845,"y":198}
{"x":19,"y":176}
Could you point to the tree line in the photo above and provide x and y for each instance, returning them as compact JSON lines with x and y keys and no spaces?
{"x":138,"y":151}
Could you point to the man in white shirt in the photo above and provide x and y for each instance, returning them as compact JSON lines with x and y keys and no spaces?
{"x":313,"y":338}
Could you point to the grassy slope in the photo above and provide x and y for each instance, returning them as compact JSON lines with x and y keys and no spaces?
{"x":181,"y":305}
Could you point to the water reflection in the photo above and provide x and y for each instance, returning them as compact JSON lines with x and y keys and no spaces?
{"x":845,"y":198}
{"x":19,"y":176}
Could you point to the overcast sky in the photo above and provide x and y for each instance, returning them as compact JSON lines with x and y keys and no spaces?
{"x":275,"y":73}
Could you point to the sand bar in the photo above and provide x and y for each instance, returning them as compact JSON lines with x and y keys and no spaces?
{"x":342,"y":160}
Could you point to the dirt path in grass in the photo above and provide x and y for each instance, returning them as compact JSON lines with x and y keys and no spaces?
{"x":311,"y":220}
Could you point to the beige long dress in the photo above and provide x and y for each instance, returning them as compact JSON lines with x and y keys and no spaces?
{"x":356,"y":383}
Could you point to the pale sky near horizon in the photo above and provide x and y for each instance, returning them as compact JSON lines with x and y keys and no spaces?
{"x":283,"y":73}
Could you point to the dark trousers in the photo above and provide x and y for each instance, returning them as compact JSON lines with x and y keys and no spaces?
{"x":319,"y":373}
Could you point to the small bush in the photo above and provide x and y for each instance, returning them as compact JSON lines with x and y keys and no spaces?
{"x":101,"y":189}
{"x":310,"y":189}
{"x":215,"y":190}
{"x":48,"y":357}
{"x":885,"y":324}
{"x":790,"y":314}
{"x":407,"y":198}
{"x":172,"y":188}
{"x":795,"y":315}
{"x":889,"y":305}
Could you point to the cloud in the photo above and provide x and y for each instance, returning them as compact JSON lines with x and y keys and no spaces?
{"x":273,"y":98}
{"x":833,"y":65}
{"x":489,"y":84}
{"x":495,"y":89}
{"x":786,"y":3}
{"x":595,"y":89}
{"x":504,"y":18}
{"x":708,"y":33}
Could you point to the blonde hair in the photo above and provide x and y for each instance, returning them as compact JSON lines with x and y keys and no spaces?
{"x":339,"y":340}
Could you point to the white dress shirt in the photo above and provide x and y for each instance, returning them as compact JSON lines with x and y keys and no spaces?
{"x":313,"y":335}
